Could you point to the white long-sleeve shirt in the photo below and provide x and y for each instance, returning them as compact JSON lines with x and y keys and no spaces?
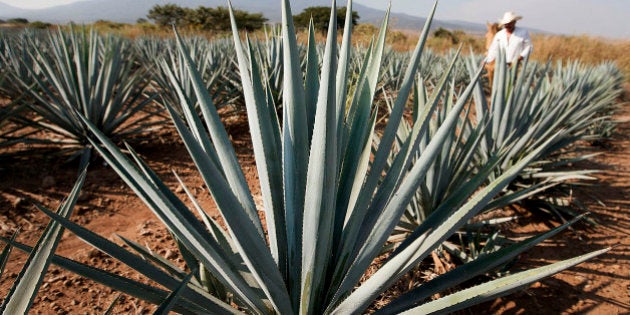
{"x":518,"y":44}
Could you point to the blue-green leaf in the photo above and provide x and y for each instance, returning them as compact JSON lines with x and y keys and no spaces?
{"x":497,"y":288}
{"x":26,"y":286}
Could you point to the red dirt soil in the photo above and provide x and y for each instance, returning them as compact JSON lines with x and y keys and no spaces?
{"x":108,"y":207}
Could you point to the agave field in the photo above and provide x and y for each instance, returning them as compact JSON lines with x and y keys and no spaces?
{"x":262,"y":175}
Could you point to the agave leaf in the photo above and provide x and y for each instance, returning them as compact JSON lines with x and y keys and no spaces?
{"x":490,"y":222}
{"x":357,"y":135}
{"x":178,"y":221}
{"x":213,"y":285}
{"x":174,"y":297}
{"x":217,"y":232}
{"x":386,"y":141}
{"x":499,"y":287}
{"x":466,"y":272}
{"x":295,"y":155}
{"x":135,"y":262}
{"x":311,"y":83}
{"x":253,"y":249}
{"x":493,"y":243}
{"x":375,"y":234}
{"x":358,"y":132}
{"x":455,"y":200}
{"x":110,"y":308}
{"x":125,"y":285}
{"x":410,"y":148}
{"x":321,"y":181}
{"x":192,"y":119}
{"x":266,"y":141}
{"x":396,"y":114}
{"x":219,"y":235}
{"x":4,"y":256}
{"x":507,"y":112}
{"x":156,"y":259}
{"x":428,"y":236}
{"x":153,"y":179}
{"x":355,"y":166}
{"x":342,"y":71}
{"x":225,"y":151}
{"x":26,"y":286}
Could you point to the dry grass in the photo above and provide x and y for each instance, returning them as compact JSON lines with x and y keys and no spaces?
{"x":589,"y":50}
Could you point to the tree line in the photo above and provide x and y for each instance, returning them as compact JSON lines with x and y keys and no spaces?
{"x":25,"y":23}
{"x":217,"y":19}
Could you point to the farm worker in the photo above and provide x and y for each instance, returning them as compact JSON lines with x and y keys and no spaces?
{"x":514,"y":40}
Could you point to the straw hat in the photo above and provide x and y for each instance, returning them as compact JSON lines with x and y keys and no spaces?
{"x":509,"y":17}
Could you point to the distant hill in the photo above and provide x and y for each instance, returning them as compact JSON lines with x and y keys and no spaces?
{"x":7,"y":11}
{"x":93,"y":10}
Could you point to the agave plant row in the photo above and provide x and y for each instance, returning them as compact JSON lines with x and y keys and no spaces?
{"x":338,"y":195}
{"x":53,"y":84}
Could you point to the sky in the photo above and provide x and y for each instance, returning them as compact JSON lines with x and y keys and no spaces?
{"x":36,"y":4}
{"x":607,"y":18}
